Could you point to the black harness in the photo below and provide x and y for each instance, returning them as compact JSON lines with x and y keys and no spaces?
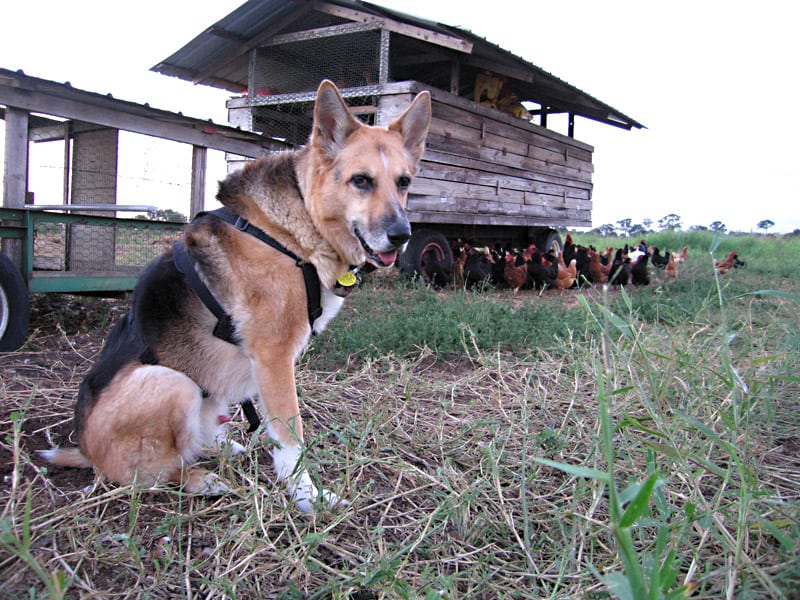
{"x":224,"y":328}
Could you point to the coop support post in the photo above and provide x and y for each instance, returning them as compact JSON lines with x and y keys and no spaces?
{"x":198,"y":191}
{"x":15,"y":182}
{"x":383,"y":67}
{"x":93,"y":179}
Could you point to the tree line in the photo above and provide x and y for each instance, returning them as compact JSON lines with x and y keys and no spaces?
{"x":670,"y":222}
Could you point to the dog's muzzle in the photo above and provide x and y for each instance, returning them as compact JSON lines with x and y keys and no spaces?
{"x":396,"y":238}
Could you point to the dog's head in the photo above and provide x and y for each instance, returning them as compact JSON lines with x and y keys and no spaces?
{"x":357,"y":178}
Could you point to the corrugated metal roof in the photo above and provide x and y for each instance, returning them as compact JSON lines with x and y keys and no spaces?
{"x":219,"y":56}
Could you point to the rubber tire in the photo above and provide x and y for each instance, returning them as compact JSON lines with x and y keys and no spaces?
{"x":14,"y":306}
{"x":551,"y":240}
{"x":422,"y":243}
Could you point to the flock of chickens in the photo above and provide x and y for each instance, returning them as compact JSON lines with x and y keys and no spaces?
{"x":575,"y":266}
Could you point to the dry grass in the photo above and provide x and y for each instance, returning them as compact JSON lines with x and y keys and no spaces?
{"x":439,"y":457}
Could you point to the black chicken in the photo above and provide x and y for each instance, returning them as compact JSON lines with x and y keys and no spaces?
{"x":620,"y":273}
{"x":540,"y":275}
{"x":639,"y":273}
{"x":659,"y":260}
{"x":477,"y":268}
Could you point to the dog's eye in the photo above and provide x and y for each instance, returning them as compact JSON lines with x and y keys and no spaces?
{"x":362,"y":182}
{"x":403,"y":183}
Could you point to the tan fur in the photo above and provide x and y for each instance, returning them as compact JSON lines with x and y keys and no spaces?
{"x":150,"y":422}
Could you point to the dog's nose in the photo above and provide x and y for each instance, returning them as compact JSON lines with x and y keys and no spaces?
{"x":399,"y":233}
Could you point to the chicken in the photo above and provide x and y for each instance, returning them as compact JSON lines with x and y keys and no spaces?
{"x":539,"y":275}
{"x":569,"y":249}
{"x":671,"y":269}
{"x":682,"y":255}
{"x":639,"y":273}
{"x":582,"y":258}
{"x":723,"y":266}
{"x":498,"y":255}
{"x":459,"y":259}
{"x":636,"y":252}
{"x":620,"y":272}
{"x":515,"y":271}
{"x":597,"y":270}
{"x":477,"y":267}
{"x":658,"y":260}
{"x":566,"y":273}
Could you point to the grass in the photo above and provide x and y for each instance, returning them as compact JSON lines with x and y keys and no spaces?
{"x":631,"y":444}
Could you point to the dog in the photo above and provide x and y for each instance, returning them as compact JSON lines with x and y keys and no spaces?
{"x":226,"y":313}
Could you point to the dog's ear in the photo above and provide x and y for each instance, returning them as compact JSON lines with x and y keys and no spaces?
{"x":413,"y":124}
{"x":333,"y":121}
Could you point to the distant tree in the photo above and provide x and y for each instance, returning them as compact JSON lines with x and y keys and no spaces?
{"x":637,"y":230}
{"x":669,"y":222}
{"x":605,"y":230}
{"x":648,"y":224}
{"x":765,"y":224}
{"x":173,"y":216}
{"x":624,"y":226}
{"x":698,"y":228}
{"x":718,"y":227}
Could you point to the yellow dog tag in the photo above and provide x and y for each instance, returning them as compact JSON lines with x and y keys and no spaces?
{"x":347,"y":279}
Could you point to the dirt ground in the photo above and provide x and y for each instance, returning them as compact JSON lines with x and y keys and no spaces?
{"x":66,"y":335}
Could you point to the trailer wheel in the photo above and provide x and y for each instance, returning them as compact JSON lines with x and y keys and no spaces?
{"x":428,"y":255}
{"x":14,"y":308}
{"x":552,"y":241}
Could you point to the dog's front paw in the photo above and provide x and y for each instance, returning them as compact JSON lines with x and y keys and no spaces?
{"x":307,"y":497}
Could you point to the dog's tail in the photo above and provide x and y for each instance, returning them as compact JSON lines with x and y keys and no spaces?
{"x":66,"y":457}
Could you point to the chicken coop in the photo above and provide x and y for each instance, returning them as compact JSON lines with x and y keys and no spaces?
{"x":492,"y":170}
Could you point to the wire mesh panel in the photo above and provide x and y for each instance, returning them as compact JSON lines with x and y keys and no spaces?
{"x":286,"y":72}
{"x":298,"y":64}
{"x":135,"y":243}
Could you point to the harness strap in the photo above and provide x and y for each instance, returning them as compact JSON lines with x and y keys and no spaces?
{"x":184,"y":262}
{"x":310,"y":276}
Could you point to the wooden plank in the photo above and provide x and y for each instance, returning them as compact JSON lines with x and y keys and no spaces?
{"x":466,"y":197}
{"x":492,"y":156}
{"x":578,"y":219}
{"x":443,"y":99}
{"x":446,"y":163}
{"x":474,"y":127}
{"x":449,"y":180}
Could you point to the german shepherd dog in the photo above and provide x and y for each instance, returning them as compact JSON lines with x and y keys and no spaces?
{"x":224,"y":316}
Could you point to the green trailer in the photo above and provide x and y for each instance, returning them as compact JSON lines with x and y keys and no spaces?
{"x":54,"y":250}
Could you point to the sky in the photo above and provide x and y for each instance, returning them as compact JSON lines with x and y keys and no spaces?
{"x":713,"y":82}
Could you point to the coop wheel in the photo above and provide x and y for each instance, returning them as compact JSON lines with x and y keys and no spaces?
{"x":14,"y":308}
{"x":428,"y":253}
{"x":551,"y":240}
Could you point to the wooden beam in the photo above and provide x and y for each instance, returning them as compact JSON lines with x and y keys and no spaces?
{"x":67,"y":103}
{"x":412,"y":31}
{"x":320,"y":33}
